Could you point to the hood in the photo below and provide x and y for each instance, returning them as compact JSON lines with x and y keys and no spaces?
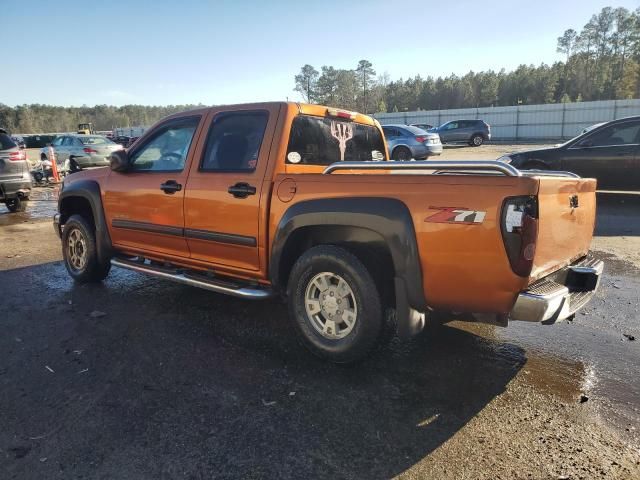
{"x":93,"y":174}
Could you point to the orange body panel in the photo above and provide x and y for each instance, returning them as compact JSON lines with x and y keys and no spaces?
{"x":464,"y":266}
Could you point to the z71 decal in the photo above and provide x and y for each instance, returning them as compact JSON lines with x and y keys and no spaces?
{"x":458,"y":215}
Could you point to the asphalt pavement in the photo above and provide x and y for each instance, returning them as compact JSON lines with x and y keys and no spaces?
{"x":142,"y":378}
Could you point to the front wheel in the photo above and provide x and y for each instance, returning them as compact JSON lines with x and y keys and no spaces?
{"x":16,"y":205}
{"x":476,"y":140}
{"x":334,"y":304}
{"x":80,"y":252}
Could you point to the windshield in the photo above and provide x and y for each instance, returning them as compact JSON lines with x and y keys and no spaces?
{"x":323,"y":141}
{"x":95,"y":141}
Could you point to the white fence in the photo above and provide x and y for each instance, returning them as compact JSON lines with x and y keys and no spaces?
{"x":526,"y":122}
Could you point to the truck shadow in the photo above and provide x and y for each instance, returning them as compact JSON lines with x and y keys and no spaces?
{"x":180,"y":381}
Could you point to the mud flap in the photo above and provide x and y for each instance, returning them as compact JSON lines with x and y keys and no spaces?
{"x":410,"y":321}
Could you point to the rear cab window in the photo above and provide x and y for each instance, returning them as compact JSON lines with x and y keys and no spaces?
{"x":323,"y":140}
{"x":6,"y":142}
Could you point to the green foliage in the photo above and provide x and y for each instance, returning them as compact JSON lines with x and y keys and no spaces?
{"x":50,"y":119}
{"x":602,"y":63}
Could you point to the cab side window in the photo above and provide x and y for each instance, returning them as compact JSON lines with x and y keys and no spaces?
{"x":167,"y":149}
{"x":57,"y":142}
{"x":233,"y":142}
{"x":623,"y":134}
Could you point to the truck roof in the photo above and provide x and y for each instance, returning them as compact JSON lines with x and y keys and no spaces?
{"x":301,"y":108}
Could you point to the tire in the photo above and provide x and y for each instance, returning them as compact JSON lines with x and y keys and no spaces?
{"x":16,"y":205}
{"x":80,"y":252}
{"x":476,"y":140}
{"x":402,"y":154}
{"x":320,"y":270}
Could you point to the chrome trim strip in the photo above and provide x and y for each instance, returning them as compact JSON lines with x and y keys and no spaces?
{"x":472,"y":165}
{"x":549,"y":173}
{"x":604,"y":146}
{"x":179,"y":277}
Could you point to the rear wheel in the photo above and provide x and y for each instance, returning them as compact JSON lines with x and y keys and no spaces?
{"x":16,"y":205}
{"x":476,"y":140}
{"x":80,"y":252}
{"x":402,"y":154}
{"x":334,"y":304}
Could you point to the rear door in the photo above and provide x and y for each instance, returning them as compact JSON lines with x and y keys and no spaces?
{"x":610,"y":154}
{"x":144,"y":206}
{"x":225,"y":207}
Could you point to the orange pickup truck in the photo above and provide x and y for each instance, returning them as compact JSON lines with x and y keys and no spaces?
{"x":301,"y":201}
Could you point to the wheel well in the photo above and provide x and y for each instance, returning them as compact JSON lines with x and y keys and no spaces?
{"x":43,"y":156}
{"x":535,"y":164}
{"x":368,"y":246}
{"x":398,"y":147}
{"x":76,"y":206}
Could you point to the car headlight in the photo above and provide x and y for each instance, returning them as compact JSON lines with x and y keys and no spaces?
{"x":505,"y":159}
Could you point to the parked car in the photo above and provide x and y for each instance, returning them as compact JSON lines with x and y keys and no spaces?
{"x":15,"y":180}
{"x":423,"y":126}
{"x":19,"y":140}
{"x":406,"y":142}
{"x":241,"y":200}
{"x":610,"y":153}
{"x":473,"y":132}
{"x":83,"y":150}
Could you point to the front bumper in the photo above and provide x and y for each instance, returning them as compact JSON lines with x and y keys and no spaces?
{"x":56,"y":225}
{"x":559,"y":295}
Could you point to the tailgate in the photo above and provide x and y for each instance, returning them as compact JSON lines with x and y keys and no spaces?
{"x":567,"y":213}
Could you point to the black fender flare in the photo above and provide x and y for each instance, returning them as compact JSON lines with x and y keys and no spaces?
{"x":389,"y":218}
{"x":90,"y":191}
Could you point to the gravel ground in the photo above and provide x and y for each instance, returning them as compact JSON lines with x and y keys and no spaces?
{"x":140,"y":378}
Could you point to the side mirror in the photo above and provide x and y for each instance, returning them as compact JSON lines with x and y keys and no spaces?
{"x":119,"y":161}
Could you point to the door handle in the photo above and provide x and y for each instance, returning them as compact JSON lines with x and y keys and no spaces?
{"x":170,"y":187}
{"x":242,"y":190}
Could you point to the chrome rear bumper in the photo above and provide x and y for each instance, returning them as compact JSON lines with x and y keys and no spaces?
{"x":559,"y":295}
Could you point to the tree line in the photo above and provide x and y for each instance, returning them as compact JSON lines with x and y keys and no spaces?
{"x":38,"y":118}
{"x":602,"y":62}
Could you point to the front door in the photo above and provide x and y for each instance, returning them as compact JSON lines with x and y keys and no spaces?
{"x":224,"y":208}
{"x":609,"y":154}
{"x":144,"y":206}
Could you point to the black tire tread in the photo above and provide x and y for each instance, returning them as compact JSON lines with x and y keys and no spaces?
{"x":369,"y":326}
{"x":95,"y":271}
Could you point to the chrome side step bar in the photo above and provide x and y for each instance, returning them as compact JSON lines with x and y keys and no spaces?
{"x":195,"y":279}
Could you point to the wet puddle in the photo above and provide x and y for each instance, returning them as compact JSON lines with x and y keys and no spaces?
{"x":43,"y":203}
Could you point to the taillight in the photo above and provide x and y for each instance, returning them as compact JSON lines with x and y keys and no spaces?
{"x":89,"y":150}
{"x":17,"y":156}
{"x":336,"y":112}
{"x":520,"y":232}
{"x":420,"y":139}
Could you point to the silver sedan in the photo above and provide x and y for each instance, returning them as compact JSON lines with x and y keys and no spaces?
{"x":84,"y":150}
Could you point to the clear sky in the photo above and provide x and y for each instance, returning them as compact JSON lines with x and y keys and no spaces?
{"x":158,"y":52}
